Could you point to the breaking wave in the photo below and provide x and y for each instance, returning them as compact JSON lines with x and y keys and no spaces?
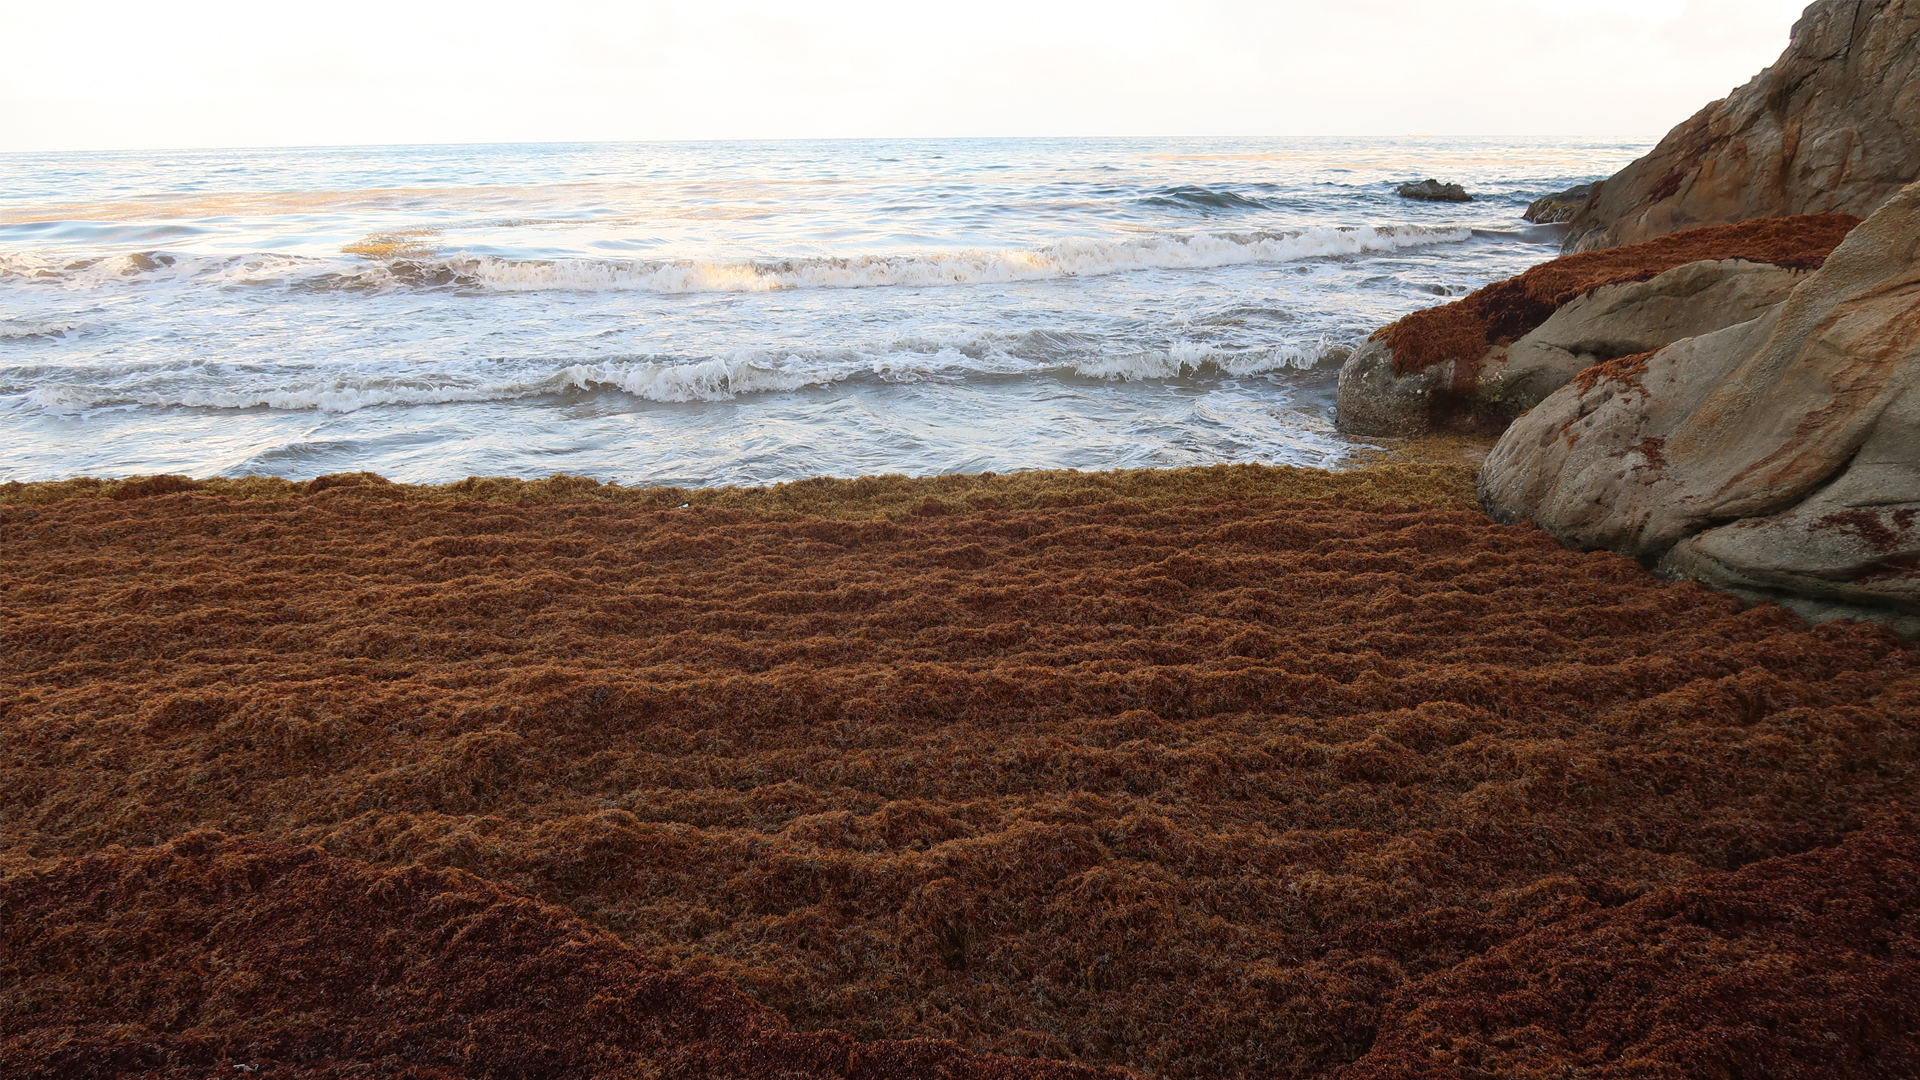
{"x":668,"y":379}
{"x":25,"y":329}
{"x":1065,"y":259}
{"x":1206,"y":199}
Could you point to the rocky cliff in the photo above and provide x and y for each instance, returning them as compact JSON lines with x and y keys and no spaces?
{"x":1779,"y":458}
{"x":1833,"y":125}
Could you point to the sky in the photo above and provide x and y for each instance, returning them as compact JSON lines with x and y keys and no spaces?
{"x":110,"y":74}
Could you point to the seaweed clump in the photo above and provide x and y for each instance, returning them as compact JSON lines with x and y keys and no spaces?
{"x":1427,"y":474}
{"x":1505,"y":311}
{"x":1750,"y":973}
{"x":276,"y":960}
{"x":1204,"y":773}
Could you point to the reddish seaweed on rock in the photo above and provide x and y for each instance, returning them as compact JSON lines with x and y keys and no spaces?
{"x":1199,"y":773}
{"x":1505,"y":311}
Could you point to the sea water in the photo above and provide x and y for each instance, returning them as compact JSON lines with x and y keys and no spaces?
{"x":728,"y":313}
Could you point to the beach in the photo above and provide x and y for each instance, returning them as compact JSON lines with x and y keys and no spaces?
{"x":1150,"y":608}
{"x":1237,"y":771}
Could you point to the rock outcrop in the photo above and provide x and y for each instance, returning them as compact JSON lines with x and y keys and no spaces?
{"x":1832,"y":126}
{"x":1620,"y":320}
{"x":1559,"y":206}
{"x":1476,"y":364}
{"x":1431,"y":190}
{"x":1779,"y":458}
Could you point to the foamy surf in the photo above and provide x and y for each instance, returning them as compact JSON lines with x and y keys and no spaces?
{"x":1065,"y":259}
{"x":726,"y":313}
{"x":665,"y":380}
{"x":1070,"y":258}
{"x":21,"y":329}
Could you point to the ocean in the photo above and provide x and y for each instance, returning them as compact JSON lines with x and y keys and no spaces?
{"x":728,"y":313}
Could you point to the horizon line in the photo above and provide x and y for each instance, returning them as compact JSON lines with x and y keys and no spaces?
{"x":806,"y":139}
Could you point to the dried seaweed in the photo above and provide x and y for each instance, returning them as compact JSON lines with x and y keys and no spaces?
{"x":1201,"y":773}
{"x":1752,"y":973}
{"x":1414,"y":476}
{"x":271,"y":960}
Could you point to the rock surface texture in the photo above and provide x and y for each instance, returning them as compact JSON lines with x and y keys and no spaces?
{"x":1476,"y":364}
{"x":1833,"y":125}
{"x":1779,"y":458}
{"x":1620,"y":320}
{"x":1559,"y":206}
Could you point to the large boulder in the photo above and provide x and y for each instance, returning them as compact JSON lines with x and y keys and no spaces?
{"x":1778,"y":458}
{"x":1833,"y":125}
{"x":1619,"y":320}
{"x":1474,"y":365}
{"x":1487,"y":394}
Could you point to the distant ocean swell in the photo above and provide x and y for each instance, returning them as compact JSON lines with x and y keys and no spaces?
{"x":1063,"y":259}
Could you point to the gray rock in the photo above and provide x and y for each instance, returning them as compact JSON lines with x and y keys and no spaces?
{"x":1432,"y":190}
{"x":1372,"y":400}
{"x":1851,"y":549}
{"x":1559,"y":206}
{"x":1640,"y":316}
{"x":1778,"y":457}
{"x":1610,"y":322}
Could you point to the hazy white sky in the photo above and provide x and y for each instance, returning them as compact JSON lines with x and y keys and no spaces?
{"x":117,"y":74}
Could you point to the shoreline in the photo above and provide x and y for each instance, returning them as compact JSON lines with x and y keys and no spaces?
{"x":1399,"y":470}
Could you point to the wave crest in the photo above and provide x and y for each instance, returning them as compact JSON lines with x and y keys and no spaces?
{"x":1205,"y":199}
{"x":1068,"y":258}
{"x":678,"y":380}
{"x":1063,"y":259}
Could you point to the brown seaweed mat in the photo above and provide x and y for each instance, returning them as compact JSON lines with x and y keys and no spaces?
{"x":294,"y":963}
{"x":1210,"y":773}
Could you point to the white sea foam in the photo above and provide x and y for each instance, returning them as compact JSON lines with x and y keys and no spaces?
{"x":854,"y":307}
{"x":662,"y":379}
{"x":1069,"y":258}
{"x":21,"y":329}
{"x":1064,"y":259}
{"x":143,"y":268}
{"x":715,"y":379}
{"x":309,"y":398}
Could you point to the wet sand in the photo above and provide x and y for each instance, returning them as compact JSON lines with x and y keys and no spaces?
{"x":1225,"y":772}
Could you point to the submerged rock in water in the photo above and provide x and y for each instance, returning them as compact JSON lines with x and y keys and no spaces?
{"x":1432,"y":190}
{"x":1559,"y":206}
{"x":1832,"y":126}
{"x":1779,"y":458}
{"x":1474,"y":365}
